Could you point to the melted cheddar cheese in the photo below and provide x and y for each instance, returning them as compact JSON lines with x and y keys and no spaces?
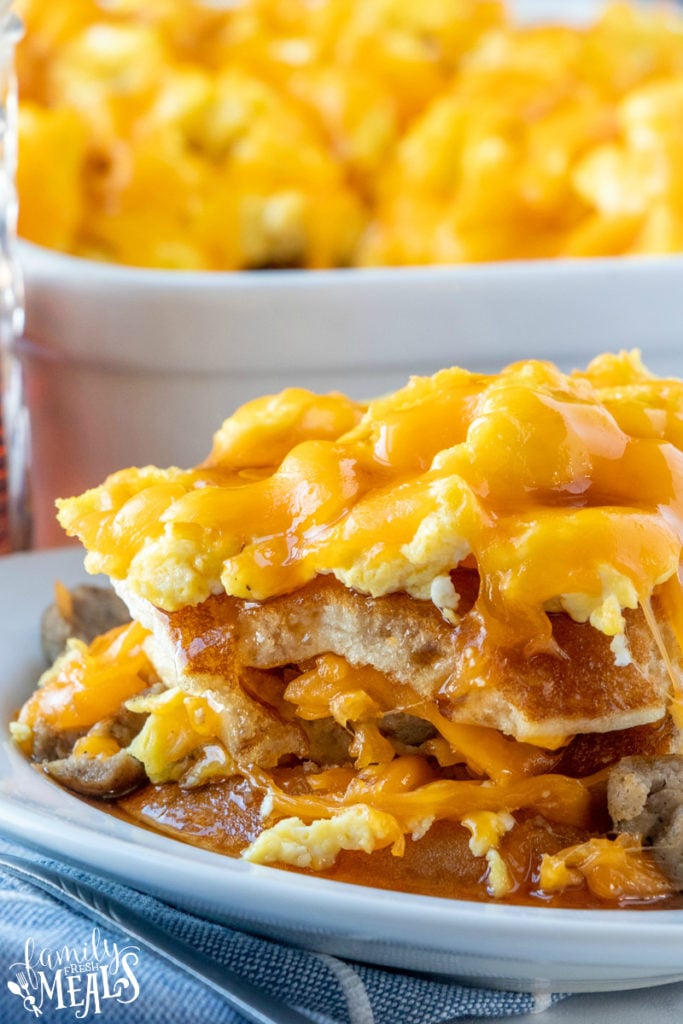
{"x":87,"y":683}
{"x":511,"y":474}
{"x":613,"y":870}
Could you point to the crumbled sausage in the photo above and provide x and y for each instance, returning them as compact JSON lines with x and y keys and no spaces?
{"x":49,"y":743}
{"x":84,"y":612}
{"x":104,"y":777}
{"x":645,"y":798}
{"x":406,"y":729}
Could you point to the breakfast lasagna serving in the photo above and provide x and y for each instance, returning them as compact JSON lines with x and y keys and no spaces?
{"x":431,"y":642}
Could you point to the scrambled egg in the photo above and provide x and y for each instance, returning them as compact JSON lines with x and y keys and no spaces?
{"x":548,"y":484}
{"x":218,"y":137}
{"x":179,"y":726}
{"x":487,"y":829}
{"x":604,"y":611}
{"x":317,"y":845}
{"x":433,"y":550}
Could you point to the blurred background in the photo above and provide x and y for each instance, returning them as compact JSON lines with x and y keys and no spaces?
{"x":339,"y":133}
{"x":220,"y":200}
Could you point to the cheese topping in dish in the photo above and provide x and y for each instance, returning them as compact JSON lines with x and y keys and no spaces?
{"x":225,"y":136}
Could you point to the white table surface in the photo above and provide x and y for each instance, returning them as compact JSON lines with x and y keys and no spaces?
{"x":661,"y":1005}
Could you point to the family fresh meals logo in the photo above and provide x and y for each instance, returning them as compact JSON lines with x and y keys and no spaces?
{"x":82,"y":979}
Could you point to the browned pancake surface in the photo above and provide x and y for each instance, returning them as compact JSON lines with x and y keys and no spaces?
{"x":542,"y":697}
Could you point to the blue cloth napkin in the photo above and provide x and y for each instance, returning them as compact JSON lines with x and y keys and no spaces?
{"x":141,"y":988}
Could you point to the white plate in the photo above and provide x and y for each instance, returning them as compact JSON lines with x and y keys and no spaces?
{"x":538,"y":948}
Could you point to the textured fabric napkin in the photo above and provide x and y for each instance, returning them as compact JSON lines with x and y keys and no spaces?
{"x":137,"y":987}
